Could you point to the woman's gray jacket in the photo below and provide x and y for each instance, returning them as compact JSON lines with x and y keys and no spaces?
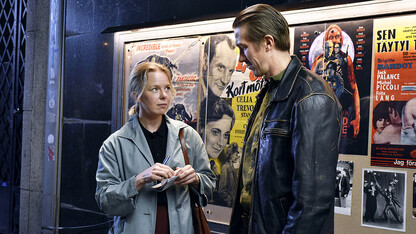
{"x":124,"y":155}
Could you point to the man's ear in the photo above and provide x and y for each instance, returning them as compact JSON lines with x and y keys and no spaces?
{"x":269,"y":42}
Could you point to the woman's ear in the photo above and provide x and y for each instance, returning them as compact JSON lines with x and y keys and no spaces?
{"x":134,"y":95}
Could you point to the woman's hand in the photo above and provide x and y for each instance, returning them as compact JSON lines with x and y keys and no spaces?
{"x":186,"y":175}
{"x":156,"y":172}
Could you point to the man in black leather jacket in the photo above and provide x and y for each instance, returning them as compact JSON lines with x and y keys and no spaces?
{"x":290,"y":152}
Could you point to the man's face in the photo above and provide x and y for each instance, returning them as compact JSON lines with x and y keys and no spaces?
{"x":336,"y":48}
{"x":394,"y":116}
{"x":328,"y":48}
{"x":234,"y":157}
{"x":221,"y":67}
{"x":335,"y":36}
{"x":250,"y":53}
{"x":330,"y":70}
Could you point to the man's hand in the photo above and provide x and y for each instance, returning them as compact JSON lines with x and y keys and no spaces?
{"x":356,"y":125}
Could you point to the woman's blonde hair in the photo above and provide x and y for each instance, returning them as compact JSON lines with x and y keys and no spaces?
{"x":138,"y":80}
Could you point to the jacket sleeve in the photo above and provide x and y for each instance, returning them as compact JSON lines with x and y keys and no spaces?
{"x":315,"y":139}
{"x":198,"y":158}
{"x":114,"y":193}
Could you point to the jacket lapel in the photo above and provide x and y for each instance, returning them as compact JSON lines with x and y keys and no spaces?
{"x":173,"y":138}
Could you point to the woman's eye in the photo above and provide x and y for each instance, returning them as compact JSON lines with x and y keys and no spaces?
{"x":227,"y":135}
{"x":216,"y":132}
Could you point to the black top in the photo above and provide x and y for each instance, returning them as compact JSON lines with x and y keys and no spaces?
{"x":157,"y":144}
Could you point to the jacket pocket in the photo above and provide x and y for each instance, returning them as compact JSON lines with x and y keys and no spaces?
{"x":276,"y":128}
{"x":284,"y":206}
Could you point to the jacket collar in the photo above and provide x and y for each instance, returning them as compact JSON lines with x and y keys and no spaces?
{"x":132,"y":130}
{"x":286,"y":84}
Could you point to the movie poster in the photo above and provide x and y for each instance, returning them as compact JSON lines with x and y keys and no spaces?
{"x":394,"y":93}
{"x":181,"y":56}
{"x":341,"y":54}
{"x":343,"y":187}
{"x":227,"y":92}
{"x":384,"y":199}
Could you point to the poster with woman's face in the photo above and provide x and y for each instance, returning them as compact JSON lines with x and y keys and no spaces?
{"x":226,"y":98}
{"x":394,"y":93}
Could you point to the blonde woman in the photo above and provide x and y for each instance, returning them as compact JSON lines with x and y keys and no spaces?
{"x":145,"y":151}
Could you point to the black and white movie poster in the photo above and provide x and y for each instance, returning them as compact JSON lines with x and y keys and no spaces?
{"x":343,"y":187}
{"x":384,"y":199}
{"x":341,"y":53}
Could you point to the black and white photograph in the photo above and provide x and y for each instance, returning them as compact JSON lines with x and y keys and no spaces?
{"x":343,"y":187}
{"x":414,"y":196}
{"x":384,"y":199}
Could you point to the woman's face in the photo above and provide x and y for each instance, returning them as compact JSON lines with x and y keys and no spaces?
{"x":156,"y":96}
{"x":380,"y":124}
{"x":217,"y":134}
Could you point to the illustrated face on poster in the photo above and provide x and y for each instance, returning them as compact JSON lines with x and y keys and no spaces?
{"x":343,"y":187}
{"x":338,"y":52}
{"x":221,"y":65}
{"x":384,"y":199}
{"x":218,"y":65}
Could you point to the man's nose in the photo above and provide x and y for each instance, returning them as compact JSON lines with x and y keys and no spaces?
{"x":226,"y":76}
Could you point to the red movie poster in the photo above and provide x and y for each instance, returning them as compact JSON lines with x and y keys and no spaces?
{"x":394,"y":93}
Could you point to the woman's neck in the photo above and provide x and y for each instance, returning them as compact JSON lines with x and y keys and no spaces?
{"x":151,"y":124}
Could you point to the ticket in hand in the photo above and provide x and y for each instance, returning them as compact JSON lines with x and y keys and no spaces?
{"x":165,"y":183}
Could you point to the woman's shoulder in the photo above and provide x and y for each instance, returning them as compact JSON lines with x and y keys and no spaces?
{"x":188,"y":130}
{"x":124,"y":131}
